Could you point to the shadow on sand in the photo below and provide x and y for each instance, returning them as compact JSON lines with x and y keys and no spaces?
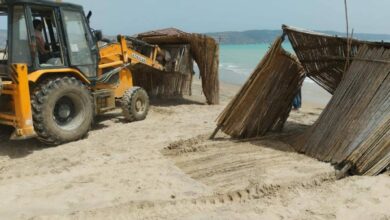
{"x":17,"y":149}
{"x":272,"y":140}
{"x":174,"y":102}
{"x":23,"y":148}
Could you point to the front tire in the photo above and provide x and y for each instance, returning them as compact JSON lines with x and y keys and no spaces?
{"x":62,"y":110}
{"x":135,"y":104}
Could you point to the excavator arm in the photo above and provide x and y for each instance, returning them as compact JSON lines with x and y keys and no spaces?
{"x":78,"y":87}
{"x":123,"y":52}
{"x":116,"y":58}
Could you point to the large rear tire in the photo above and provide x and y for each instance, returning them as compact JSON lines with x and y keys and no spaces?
{"x":135,"y":104}
{"x":62,"y":110}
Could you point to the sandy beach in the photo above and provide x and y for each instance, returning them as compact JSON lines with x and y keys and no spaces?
{"x":166,"y":168}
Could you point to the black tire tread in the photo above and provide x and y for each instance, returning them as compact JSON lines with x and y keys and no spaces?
{"x":40,"y":95}
{"x":127,"y":100}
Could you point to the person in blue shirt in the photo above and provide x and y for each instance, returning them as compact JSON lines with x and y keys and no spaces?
{"x":297,"y":102}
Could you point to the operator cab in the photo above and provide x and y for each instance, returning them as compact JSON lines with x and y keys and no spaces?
{"x":63,"y":39}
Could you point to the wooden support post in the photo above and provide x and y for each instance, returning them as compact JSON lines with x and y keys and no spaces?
{"x":340,"y":174}
{"x":215,"y":132}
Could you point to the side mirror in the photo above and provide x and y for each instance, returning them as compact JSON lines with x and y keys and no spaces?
{"x":98,"y":35}
{"x":89,"y":15}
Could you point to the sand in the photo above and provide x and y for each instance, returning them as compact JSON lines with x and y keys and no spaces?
{"x":166,"y":168}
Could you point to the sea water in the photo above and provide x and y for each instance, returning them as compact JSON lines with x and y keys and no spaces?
{"x":237,"y":62}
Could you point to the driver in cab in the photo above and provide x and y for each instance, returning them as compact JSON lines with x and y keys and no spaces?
{"x":44,"y":54}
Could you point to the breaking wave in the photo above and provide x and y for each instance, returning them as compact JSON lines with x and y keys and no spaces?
{"x":235,"y":68}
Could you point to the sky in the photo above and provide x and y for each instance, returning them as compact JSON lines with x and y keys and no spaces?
{"x":130,"y":16}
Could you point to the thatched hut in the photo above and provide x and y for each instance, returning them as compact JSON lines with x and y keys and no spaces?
{"x":353,"y":131}
{"x":183,"y":48}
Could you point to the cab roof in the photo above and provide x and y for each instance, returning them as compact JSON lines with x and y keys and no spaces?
{"x":52,"y":3}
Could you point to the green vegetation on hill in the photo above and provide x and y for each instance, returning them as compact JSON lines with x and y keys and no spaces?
{"x":255,"y":36}
{"x":268,"y":36}
{"x":246,"y":37}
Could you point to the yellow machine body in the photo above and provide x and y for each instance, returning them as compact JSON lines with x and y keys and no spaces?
{"x":18,"y":110}
{"x":73,"y":56}
{"x":119,"y":54}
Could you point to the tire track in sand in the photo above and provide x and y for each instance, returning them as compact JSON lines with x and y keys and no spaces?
{"x":167,"y":209}
{"x":226,"y":167}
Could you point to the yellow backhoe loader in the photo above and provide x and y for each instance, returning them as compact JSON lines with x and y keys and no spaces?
{"x":55,"y":78}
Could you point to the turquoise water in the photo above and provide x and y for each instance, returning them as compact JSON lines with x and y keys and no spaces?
{"x":238,"y":61}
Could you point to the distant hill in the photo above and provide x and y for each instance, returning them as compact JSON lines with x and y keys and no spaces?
{"x":268,"y":36}
{"x":255,"y":36}
{"x":246,"y":37}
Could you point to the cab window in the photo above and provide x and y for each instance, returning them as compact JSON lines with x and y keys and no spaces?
{"x":47,"y":39}
{"x":78,"y":45}
{"x":20,"y":42}
{"x":3,"y":36}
